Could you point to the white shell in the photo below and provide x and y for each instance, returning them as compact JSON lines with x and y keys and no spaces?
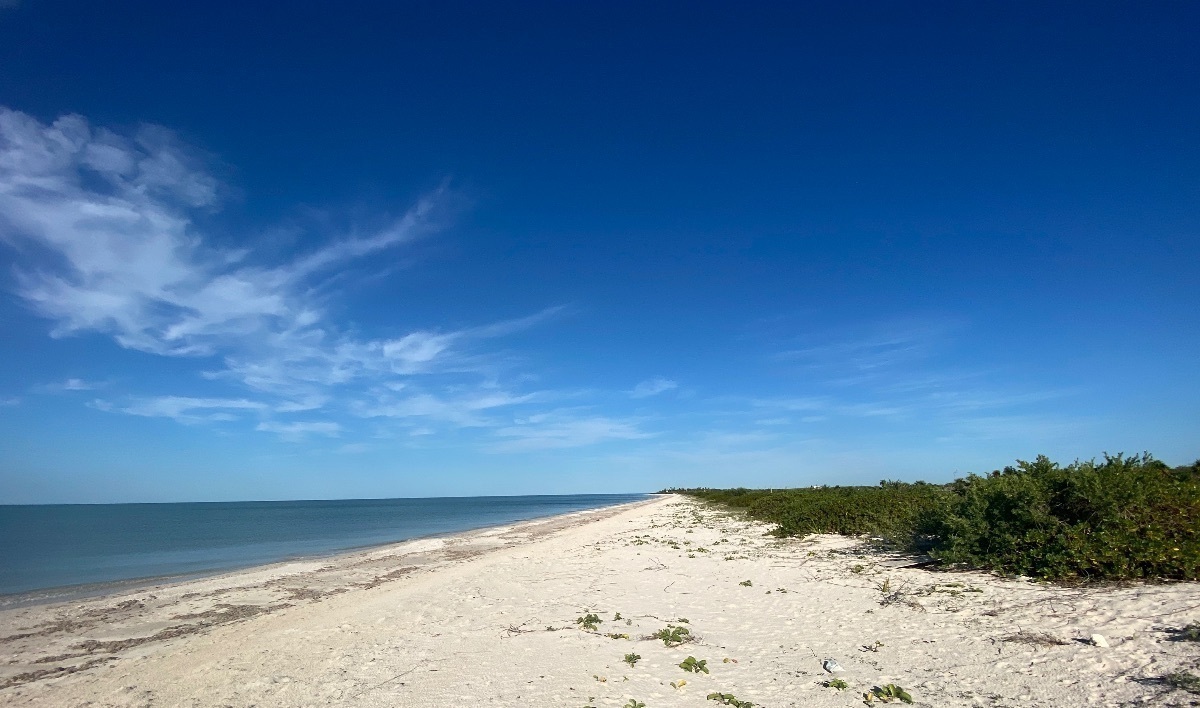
{"x":1099,"y":641}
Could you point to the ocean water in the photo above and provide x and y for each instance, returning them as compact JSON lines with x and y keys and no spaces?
{"x":58,"y":551}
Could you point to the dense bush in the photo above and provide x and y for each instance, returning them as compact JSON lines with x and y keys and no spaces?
{"x":1118,"y":519}
{"x":892,"y":510}
{"x":1123,"y":518}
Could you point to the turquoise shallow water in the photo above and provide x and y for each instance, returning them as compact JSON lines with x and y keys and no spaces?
{"x":71,"y":545}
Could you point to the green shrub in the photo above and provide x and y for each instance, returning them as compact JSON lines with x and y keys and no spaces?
{"x":1123,"y":518}
{"x":892,"y":510}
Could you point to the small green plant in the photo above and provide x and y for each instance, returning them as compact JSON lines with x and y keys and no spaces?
{"x":728,"y":699}
{"x":617,"y":617}
{"x":1190,"y":633}
{"x":887,"y":694}
{"x":614,"y":635}
{"x":696,"y":667}
{"x":589,"y":622}
{"x":632,"y":659}
{"x":634,"y":704}
{"x":1184,"y":681}
{"x":872,"y":647}
{"x":836,"y":683}
{"x":673,"y":636}
{"x":858,"y":568}
{"x":746,"y":583}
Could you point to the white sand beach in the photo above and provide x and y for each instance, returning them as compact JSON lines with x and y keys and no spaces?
{"x":490,"y":618}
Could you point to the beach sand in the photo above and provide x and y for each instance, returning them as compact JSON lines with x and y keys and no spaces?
{"x":489,"y":618}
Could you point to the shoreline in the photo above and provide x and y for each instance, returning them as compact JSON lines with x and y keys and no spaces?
{"x":85,"y":591}
{"x":491,"y":617}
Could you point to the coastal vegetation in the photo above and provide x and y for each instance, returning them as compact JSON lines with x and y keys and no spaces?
{"x":1122,"y":518}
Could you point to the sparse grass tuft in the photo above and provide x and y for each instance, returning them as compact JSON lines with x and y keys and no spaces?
{"x":1189,"y":633}
{"x":729,"y":699}
{"x":1184,"y":681}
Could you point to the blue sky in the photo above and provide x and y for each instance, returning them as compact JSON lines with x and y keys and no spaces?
{"x":409,"y":249}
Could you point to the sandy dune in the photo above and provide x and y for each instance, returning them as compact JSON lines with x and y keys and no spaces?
{"x":489,"y":618}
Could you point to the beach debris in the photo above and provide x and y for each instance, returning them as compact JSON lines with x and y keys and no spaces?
{"x":1041,"y":639}
{"x":746,"y":583}
{"x":678,"y":684}
{"x":1098,"y":640}
{"x":913,"y":562}
{"x":831,"y":665}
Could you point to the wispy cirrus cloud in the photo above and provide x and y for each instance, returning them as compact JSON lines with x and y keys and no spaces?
{"x":461,"y":411}
{"x":185,"y":409}
{"x":564,"y":429}
{"x":70,"y":385}
{"x":653,"y":387}
{"x":105,"y":226}
{"x":299,"y":430}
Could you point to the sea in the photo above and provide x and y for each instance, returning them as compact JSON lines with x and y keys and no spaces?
{"x":57,"y":552}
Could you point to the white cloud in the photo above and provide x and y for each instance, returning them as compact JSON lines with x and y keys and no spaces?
{"x":71,"y":385}
{"x":652,"y":387}
{"x":461,"y":411}
{"x":9,"y":401}
{"x":561,"y":430}
{"x":107,"y":241}
{"x":186,"y":409}
{"x":295,"y":432}
{"x":105,"y":222}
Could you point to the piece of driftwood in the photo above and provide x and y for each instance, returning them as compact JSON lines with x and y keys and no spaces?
{"x":911,"y":562}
